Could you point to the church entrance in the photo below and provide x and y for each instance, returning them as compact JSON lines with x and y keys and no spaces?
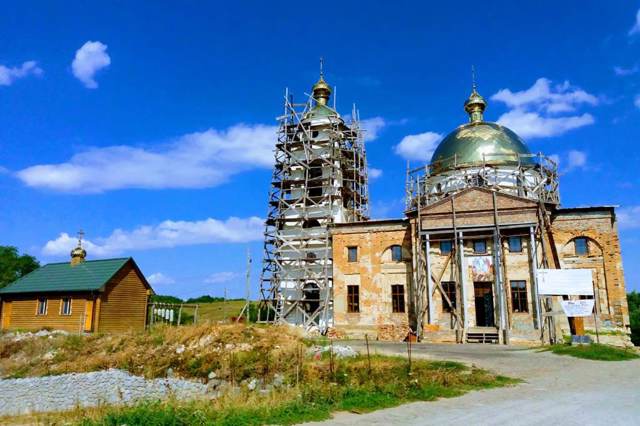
{"x":483,"y":292}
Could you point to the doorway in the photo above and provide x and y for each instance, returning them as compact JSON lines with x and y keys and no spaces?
{"x":483,"y":292}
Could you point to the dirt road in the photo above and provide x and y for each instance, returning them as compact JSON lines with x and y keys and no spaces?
{"x":558,"y":390}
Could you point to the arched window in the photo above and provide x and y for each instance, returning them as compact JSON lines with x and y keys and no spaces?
{"x":396,"y":253}
{"x":581,"y":246}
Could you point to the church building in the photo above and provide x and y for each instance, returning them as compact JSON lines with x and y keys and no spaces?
{"x":481,"y":221}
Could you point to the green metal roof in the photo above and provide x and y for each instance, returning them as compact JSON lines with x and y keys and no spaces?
{"x":90,"y":275}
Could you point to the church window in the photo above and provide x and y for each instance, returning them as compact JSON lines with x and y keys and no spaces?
{"x":397,"y":298}
{"x":515,"y":244}
{"x":445,"y":246}
{"x":519,"y":296}
{"x":581,"y":246}
{"x":396,"y":253}
{"x":480,"y":246}
{"x":353,"y":298}
{"x":449,"y":288}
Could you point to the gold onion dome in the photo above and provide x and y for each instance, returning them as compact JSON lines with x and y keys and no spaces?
{"x":321,"y":91}
{"x":78,"y":252}
{"x":479,"y":142}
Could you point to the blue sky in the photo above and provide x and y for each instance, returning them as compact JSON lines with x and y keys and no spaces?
{"x":150,"y":124}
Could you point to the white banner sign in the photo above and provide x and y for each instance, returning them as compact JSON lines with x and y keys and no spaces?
{"x":565,"y":282}
{"x":577,"y":308}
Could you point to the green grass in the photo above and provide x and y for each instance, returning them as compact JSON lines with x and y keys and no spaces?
{"x":596,"y":352}
{"x":219,"y":311}
{"x":349,"y":386}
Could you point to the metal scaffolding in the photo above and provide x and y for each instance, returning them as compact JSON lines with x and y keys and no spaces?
{"x":319,"y":178}
{"x":532,"y":176}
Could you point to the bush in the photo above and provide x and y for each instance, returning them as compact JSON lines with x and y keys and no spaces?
{"x":633,"y":299}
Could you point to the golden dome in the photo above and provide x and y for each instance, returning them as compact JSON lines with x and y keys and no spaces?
{"x":321,"y":91}
{"x":475,"y":106}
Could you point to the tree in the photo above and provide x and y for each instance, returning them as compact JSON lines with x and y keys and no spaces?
{"x":633,"y":299}
{"x":14,"y":266}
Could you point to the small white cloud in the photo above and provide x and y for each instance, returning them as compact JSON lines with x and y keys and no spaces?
{"x":167,"y":234}
{"x":159,"y":278}
{"x":573,"y":160}
{"x":576,"y":159}
{"x":196,"y":160}
{"x":9,"y":75}
{"x":622,"y":72}
{"x":636,"y":26}
{"x":374,"y":173}
{"x":636,"y":101}
{"x":534,"y":125}
{"x":629,"y":217}
{"x":89,"y":59}
{"x":221,"y":277}
{"x":372,"y":127}
{"x":418,"y":147}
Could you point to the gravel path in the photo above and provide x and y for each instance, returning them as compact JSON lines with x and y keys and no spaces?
{"x":68,"y":391}
{"x":557,"y":390}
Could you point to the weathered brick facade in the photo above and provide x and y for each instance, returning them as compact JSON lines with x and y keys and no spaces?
{"x":476,"y":212}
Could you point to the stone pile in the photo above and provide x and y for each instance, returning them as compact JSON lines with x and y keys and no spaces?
{"x":110,"y":387}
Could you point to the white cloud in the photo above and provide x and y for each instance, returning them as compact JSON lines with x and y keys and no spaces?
{"x":221,"y":277}
{"x":167,"y":234}
{"x":622,"y":72}
{"x":576,"y":159}
{"x":89,"y":59}
{"x":542,"y":96}
{"x":374,"y":173}
{"x":196,"y":160}
{"x":537,"y":111}
{"x":629,"y":217}
{"x":534,"y":125}
{"x":636,"y":101}
{"x":418,"y":147}
{"x":9,"y":75}
{"x":636,"y":26}
{"x":372,"y":127}
{"x":159,"y":278}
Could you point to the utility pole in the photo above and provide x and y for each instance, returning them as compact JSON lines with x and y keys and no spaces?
{"x":245,"y":308}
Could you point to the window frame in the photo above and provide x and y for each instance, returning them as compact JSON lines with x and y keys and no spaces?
{"x":353,"y":299}
{"x":484,"y":242}
{"x":397,"y":299}
{"x":515,"y":238}
{"x":449,"y":288}
{"x":42,"y":301}
{"x":349,"y":251}
{"x":445,"y":252}
{"x":62,"y":306}
{"x":396,"y":249}
{"x":586,"y":246}
{"x":517,"y":295}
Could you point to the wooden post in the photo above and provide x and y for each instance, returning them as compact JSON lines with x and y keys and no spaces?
{"x":366,"y":339}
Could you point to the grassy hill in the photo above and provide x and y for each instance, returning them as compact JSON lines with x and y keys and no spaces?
{"x":218,"y":311}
